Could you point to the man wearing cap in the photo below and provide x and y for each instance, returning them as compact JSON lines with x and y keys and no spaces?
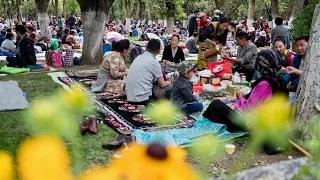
{"x":246,"y":55}
{"x":144,"y":72}
{"x":182,"y":94}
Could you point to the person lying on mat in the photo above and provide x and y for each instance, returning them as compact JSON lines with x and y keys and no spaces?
{"x":113,"y":70}
{"x":173,"y":53}
{"x":143,"y":73}
{"x":182,"y":94}
{"x":268,"y":64}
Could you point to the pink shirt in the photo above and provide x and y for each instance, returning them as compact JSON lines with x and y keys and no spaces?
{"x":259,"y":95}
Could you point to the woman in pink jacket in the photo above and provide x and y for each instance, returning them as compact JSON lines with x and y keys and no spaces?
{"x":268,"y":63}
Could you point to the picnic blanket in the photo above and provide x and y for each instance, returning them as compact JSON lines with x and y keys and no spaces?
{"x":128,"y":119}
{"x":12,"y":97}
{"x":119,"y":114}
{"x":186,"y":136}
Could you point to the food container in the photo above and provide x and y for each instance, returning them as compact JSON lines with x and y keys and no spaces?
{"x":214,"y":80}
{"x":204,"y":80}
{"x":230,"y":148}
{"x":243,"y":78}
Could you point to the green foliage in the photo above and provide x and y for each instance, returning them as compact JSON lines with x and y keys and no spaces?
{"x":73,"y":7}
{"x":29,"y":8}
{"x":302,"y":23}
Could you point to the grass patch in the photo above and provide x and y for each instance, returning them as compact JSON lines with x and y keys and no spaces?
{"x":39,"y":85}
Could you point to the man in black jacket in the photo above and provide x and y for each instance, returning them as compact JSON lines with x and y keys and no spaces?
{"x":25,"y":50}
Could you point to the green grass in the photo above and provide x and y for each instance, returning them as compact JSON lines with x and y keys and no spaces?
{"x":39,"y":85}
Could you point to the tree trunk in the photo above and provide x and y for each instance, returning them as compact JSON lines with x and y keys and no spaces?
{"x":170,"y":24}
{"x":297,"y":7}
{"x":42,"y":7}
{"x":65,"y":8}
{"x":128,"y":10}
{"x":274,"y":10}
{"x":251,"y":13}
{"x":149,"y":14}
{"x":19,"y":11}
{"x":93,"y":17}
{"x":56,"y":8}
{"x":142,"y":7}
{"x":309,"y":88}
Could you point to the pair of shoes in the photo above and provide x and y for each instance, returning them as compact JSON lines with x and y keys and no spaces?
{"x":119,"y":141}
{"x":89,"y":125}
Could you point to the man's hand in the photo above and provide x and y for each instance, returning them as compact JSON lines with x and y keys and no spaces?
{"x":293,"y":70}
{"x":6,"y":48}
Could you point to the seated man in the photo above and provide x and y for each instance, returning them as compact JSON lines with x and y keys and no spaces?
{"x":25,"y":50}
{"x":293,"y":73}
{"x":246,"y":55}
{"x":191,"y":44}
{"x":143,"y":73}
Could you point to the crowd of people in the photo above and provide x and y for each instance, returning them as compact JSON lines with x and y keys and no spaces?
{"x":274,"y":68}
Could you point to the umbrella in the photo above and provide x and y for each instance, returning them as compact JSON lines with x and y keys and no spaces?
{"x":114,"y":37}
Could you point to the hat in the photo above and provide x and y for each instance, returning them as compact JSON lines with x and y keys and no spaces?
{"x":252,"y":29}
{"x":217,"y":11}
{"x":263,"y":34}
{"x":201,"y":14}
{"x":185,"y":67}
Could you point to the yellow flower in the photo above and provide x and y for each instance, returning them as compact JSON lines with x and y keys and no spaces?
{"x":147,"y":162}
{"x":206,"y":147}
{"x":6,"y":166}
{"x":49,"y":117}
{"x":163,"y":112}
{"x":43,"y":157}
{"x":272,"y":120}
{"x":75,"y":100}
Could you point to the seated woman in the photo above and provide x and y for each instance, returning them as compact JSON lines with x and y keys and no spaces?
{"x":268,"y":64}
{"x":287,"y":55}
{"x":112,"y":70}
{"x":71,"y":38}
{"x":8,"y":42}
{"x":173,"y":53}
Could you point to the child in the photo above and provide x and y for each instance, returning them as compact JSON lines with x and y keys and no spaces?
{"x":182,"y":94}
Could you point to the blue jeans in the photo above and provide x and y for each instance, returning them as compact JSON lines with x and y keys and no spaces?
{"x":194,"y":107}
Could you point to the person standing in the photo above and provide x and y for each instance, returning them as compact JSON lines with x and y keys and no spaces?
{"x":192,"y":24}
{"x":280,"y":31}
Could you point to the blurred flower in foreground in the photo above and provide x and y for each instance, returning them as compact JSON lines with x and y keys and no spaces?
{"x":163,"y":112}
{"x":154,"y":162}
{"x":207,"y":147}
{"x":44,"y":157}
{"x":271,"y":121}
{"x":58,"y":114}
{"x":6,"y":166}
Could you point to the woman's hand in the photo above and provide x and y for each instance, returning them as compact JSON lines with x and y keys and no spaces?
{"x":240,"y":95}
{"x":167,"y":62}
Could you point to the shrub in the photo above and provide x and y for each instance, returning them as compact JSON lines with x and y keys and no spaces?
{"x":302,"y":23}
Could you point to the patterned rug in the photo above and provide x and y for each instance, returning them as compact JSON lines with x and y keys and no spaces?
{"x":115,"y":111}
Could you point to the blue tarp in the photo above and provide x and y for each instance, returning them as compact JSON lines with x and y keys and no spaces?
{"x":186,"y":136}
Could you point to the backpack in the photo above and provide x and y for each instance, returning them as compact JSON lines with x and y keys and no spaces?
{"x":56,"y":59}
{"x":215,"y":25}
{"x":135,"y":51}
